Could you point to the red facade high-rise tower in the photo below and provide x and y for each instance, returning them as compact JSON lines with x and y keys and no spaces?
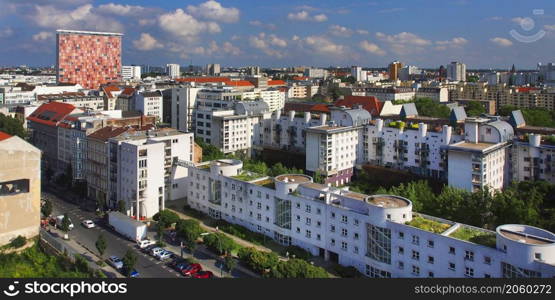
{"x":88,"y":58}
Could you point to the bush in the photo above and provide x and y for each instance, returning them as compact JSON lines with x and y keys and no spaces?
{"x":189,"y":230}
{"x":166,"y":218}
{"x":298,"y":268}
{"x":220,"y":243}
{"x":297,"y":251}
{"x":258,"y":261}
{"x":18,"y":242}
{"x":241,"y":232}
{"x":347,"y":272}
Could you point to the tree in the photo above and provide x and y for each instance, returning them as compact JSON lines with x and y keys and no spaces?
{"x":209,"y":152}
{"x":101,"y":245}
{"x":258,"y":261}
{"x":166,"y":218}
{"x":65,"y":223}
{"x":46,"y":208}
{"x":298,"y":268}
{"x":230,"y":263}
{"x":122,"y":207}
{"x":220,"y":243}
{"x":12,"y":126}
{"x":129,"y":261}
{"x":189,"y":230}
{"x":474,"y":109}
{"x":429,"y":108}
{"x":319,"y":177}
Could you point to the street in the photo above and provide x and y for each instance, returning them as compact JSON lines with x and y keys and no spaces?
{"x":147,"y":266}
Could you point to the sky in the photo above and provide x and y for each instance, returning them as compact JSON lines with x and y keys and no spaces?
{"x":425,"y":33}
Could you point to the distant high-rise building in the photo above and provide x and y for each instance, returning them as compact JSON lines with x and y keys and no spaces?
{"x":358,"y":73}
{"x":442,"y":72}
{"x":131,"y":72}
{"x":213,"y":69}
{"x":90,"y":59}
{"x":173,"y":70}
{"x":456,"y":71}
{"x":253,"y":70}
{"x":407,"y":72}
{"x":394,"y":69}
{"x":547,"y":72}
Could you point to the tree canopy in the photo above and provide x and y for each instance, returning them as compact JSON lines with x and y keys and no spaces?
{"x":12,"y":126}
{"x":532,"y":116}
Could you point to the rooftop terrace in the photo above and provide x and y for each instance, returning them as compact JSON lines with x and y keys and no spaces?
{"x":387,"y":201}
{"x":427,"y":224}
{"x":481,"y":237}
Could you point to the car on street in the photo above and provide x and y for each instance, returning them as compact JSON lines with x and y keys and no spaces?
{"x":145,"y":243}
{"x":203,"y":275}
{"x":164,"y":255}
{"x":191,"y":269}
{"x":88,"y":224}
{"x":134,"y":274}
{"x":115,"y":262}
{"x":180,"y":266}
{"x":155,"y":251}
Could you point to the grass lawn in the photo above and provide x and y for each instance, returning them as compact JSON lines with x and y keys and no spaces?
{"x":428,"y":225}
{"x":474,"y":236}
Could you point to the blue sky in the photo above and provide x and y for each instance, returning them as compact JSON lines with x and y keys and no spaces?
{"x":425,"y":33}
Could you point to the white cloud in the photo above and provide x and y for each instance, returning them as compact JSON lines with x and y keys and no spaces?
{"x":181,"y":24}
{"x":455,"y":42}
{"x":258,"y":23}
{"x":147,"y":22}
{"x":362,"y":32}
{"x":229,"y":48}
{"x":6,"y":32}
{"x":371,"y":48}
{"x":549,"y":27}
{"x":147,"y":42}
{"x":404,"y":43}
{"x":305,"y":16}
{"x":324,"y":46}
{"x":215,"y":11}
{"x":268,"y":43}
{"x":43,"y":35}
{"x":340,"y":31}
{"x":502,"y":42}
{"x":494,"y":18}
{"x":81,"y":17}
{"x":121,"y":10}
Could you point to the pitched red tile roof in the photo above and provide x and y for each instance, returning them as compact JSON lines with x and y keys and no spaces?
{"x":301,"y":78}
{"x":239,"y":83}
{"x":128,"y":92}
{"x":109,"y":89}
{"x":204,"y":79}
{"x":4,"y":136}
{"x":51,"y":113}
{"x":371,"y":103}
{"x":109,"y":132}
{"x":306,"y":106}
{"x":276,"y":82}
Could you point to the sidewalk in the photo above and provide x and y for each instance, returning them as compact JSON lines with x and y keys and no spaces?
{"x":55,"y":239}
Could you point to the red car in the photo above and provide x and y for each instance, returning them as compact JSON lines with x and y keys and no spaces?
{"x":191,"y":269}
{"x":203,"y":275}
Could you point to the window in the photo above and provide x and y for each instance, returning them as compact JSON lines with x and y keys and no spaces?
{"x":332,"y":242}
{"x":355,"y":250}
{"x":401,"y":250}
{"x":468,"y":272}
{"x":318,"y":211}
{"x":298,"y":230}
{"x":376,"y":273}
{"x":415,"y":270}
{"x":401,"y":265}
{"x":486,"y":275}
{"x":259,"y":217}
{"x":356,"y":236}
{"x":356,"y":222}
{"x":318,"y":237}
{"x":538,"y":256}
{"x":431,"y":274}
{"x":487,"y":260}
{"x":308,"y":234}
{"x":333,"y":215}
{"x":332,"y":228}
{"x":430,"y":243}
{"x":415,"y":255}
{"x":344,"y":246}
{"x":308,"y":221}
{"x":344,"y":219}
{"x":451,"y":250}
{"x":344,"y":232}
{"x":298,"y":205}
{"x":452,"y":266}
{"x":415,"y":239}
{"x":431,"y":260}
{"x":298,"y":218}
{"x":401,"y":235}
{"x":14,"y":187}
{"x":308,"y":208}
{"x":469,"y":255}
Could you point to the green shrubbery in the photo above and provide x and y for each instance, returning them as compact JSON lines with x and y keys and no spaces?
{"x":241,"y":232}
{"x":347,"y":272}
{"x":220,"y":243}
{"x":296,"y":252}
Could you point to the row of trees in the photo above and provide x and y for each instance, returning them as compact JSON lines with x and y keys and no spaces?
{"x":531,"y":203}
{"x":533,"y":116}
{"x":12,"y":126}
{"x":269,"y":265}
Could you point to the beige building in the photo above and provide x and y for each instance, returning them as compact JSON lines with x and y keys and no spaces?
{"x":19,"y":188}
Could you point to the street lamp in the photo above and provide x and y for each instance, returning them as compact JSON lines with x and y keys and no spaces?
{"x":219,"y":249}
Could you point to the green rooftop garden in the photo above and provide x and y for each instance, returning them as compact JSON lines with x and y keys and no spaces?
{"x":428,"y":225}
{"x":247,"y":176}
{"x":397,"y":124}
{"x":267,"y":183}
{"x":474,"y":236}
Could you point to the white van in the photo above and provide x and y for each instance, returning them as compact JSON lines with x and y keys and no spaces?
{"x":59,"y":220}
{"x":145,"y":243}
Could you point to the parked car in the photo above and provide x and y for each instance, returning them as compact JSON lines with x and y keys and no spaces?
{"x":155,"y":251}
{"x":180,"y":266}
{"x":145,"y":243}
{"x":203,"y":275}
{"x":88,"y":224}
{"x":164,"y":255}
{"x":134,"y":274}
{"x":149,"y":248}
{"x":115,"y":262}
{"x":191,"y":269}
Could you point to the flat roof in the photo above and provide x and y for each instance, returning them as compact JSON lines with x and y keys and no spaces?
{"x":293,"y":178}
{"x":524,"y":238}
{"x":315,"y":186}
{"x":64,"y":31}
{"x":388,"y":201}
{"x":480,"y":146}
{"x":357,"y":196}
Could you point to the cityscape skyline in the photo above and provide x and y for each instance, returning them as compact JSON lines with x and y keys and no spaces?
{"x":324,"y":33}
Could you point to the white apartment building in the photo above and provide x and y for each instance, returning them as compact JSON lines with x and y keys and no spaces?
{"x":390,"y":93}
{"x":173,"y":70}
{"x":407,"y":73}
{"x":272,"y":96}
{"x":79,"y":99}
{"x":131,"y":72}
{"x":146,"y":173}
{"x":416,"y":149}
{"x":438,"y":94}
{"x":482,"y":159}
{"x":456,"y":71}
{"x":288,"y":132}
{"x":379,"y":235}
{"x":150,"y":103}
{"x":15,"y":95}
{"x":183,"y":102}
{"x":533,"y":159}
{"x":315,"y":73}
{"x":299,"y":91}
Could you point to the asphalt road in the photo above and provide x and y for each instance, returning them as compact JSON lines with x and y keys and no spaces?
{"x":147,"y":266}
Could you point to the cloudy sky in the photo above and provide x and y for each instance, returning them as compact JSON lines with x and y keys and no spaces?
{"x":426,"y":33}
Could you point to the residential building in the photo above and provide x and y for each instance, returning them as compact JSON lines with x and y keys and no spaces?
{"x":394,"y":69}
{"x":20,"y":189}
{"x":90,"y":59}
{"x":110,"y":94}
{"x":215,"y":69}
{"x":131,"y":72}
{"x":315,"y":73}
{"x":390,"y":93}
{"x":126,"y":100}
{"x":149,"y":103}
{"x":407,"y":73}
{"x":438,"y":94}
{"x":173,"y":70}
{"x":456,"y":71}
{"x":78,"y":99}
{"x":380,"y":235}
{"x":183,"y":103}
